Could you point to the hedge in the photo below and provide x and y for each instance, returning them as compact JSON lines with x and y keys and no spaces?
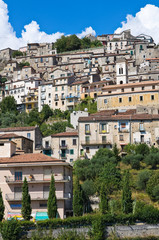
{"x":73,"y":222}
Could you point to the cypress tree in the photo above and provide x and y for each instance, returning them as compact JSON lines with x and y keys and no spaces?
{"x":126,"y":194}
{"x":26,"y":201}
{"x":103,"y":199}
{"x":52,"y":203}
{"x":77,"y":199}
{"x":1,"y":206}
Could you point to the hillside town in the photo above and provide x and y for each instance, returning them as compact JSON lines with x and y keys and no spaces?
{"x":121,"y":76}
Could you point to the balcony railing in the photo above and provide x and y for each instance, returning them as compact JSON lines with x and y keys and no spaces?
{"x":63,"y":146}
{"x":123,"y":130}
{"x":147,"y":141}
{"x":104,"y":142}
{"x":56,"y":99}
{"x":62,"y":97}
{"x":32,"y":179}
{"x":87,"y":132}
{"x":37,"y":196}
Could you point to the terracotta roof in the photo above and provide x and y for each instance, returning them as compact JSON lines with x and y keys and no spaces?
{"x":130,"y":85}
{"x":128,"y":115}
{"x":79,"y":82}
{"x":17,"y":129}
{"x":12,"y":135}
{"x":29,"y":158}
{"x":65,"y":134}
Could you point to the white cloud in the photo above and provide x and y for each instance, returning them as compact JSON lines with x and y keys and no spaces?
{"x":88,"y":30}
{"x":31,"y":32}
{"x":145,"y":21}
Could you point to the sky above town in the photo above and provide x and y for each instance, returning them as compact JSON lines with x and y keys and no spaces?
{"x":22,"y":22}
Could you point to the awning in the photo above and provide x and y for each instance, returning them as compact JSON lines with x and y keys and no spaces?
{"x":41,"y":216}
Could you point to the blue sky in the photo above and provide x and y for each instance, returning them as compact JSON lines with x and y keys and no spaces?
{"x":22,"y":22}
{"x":72,"y":16}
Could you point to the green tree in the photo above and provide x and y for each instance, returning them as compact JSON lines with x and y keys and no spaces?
{"x":111,"y":177}
{"x":142,"y":149}
{"x":152,"y":160}
{"x":45,"y":113}
{"x":103,"y":199}
{"x":8,"y":104}
{"x":26,"y":201}
{"x":116,"y":152}
{"x":52,"y":202}
{"x":126,"y":194}
{"x":17,"y":54}
{"x":77,"y":199}
{"x":23,"y":64}
{"x":1,"y":207}
{"x":152,"y":186}
{"x":142,"y":179}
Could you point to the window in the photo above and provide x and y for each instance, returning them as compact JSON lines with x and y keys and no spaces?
{"x":71,"y":151}
{"x":123,"y":125}
{"x":87,"y":150}
{"x":87,"y":128}
{"x":42,"y":205}
{"x":130,"y":99}
{"x":74,"y":142}
{"x":63,"y":102}
{"x":71,"y":160}
{"x":120,"y":70}
{"x":41,"y":60}
{"x":56,"y":89}
{"x":56,"y":103}
{"x":103,"y":139}
{"x":49,"y":95}
{"x":103,"y":127}
{"x":152,"y":97}
{"x":18,"y":176}
{"x":121,"y":138}
{"x":87,"y":139}
{"x":143,"y":88}
{"x":120,"y":100}
{"x":62,"y":88}
{"x":28,"y":135}
{"x":141,"y":98}
{"x":105,"y":101}
{"x":153,"y":87}
{"x":132,"y":89}
{"x":122,"y":90}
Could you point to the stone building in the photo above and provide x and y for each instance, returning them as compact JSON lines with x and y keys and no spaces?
{"x":37,"y":169}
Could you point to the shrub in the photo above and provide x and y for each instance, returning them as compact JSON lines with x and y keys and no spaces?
{"x":89,"y":187}
{"x":135,"y":163}
{"x":71,"y":235}
{"x":152,"y":160}
{"x":148,"y":214}
{"x":151,"y":184}
{"x":11,"y":230}
{"x":98,"y":228}
{"x":142,"y":179}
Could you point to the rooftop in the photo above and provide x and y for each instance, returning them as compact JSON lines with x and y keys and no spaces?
{"x":29,"y":158}
{"x":17,"y":129}
{"x":65,"y":134}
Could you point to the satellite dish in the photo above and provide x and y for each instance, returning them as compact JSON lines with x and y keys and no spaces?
{"x":86,"y":109}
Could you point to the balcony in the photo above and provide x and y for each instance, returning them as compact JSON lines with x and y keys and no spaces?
{"x":87,"y":132}
{"x":43,"y":97}
{"x":103,"y":132}
{"x":56,"y":99}
{"x":93,"y":143}
{"x":42,"y":196}
{"x":63,"y":146}
{"x":32,"y":179}
{"x":141,"y":128}
{"x":123,"y":130}
{"x":43,"y":89}
{"x":62,"y":97}
{"x":71,"y":96}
